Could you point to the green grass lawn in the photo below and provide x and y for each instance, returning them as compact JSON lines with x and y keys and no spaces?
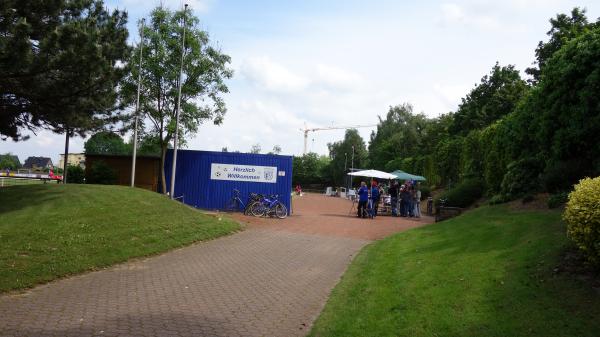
{"x":486,"y":273}
{"x":49,"y":231}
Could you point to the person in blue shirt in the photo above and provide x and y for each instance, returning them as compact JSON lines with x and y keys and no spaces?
{"x":363,"y":198}
{"x":375,"y":196}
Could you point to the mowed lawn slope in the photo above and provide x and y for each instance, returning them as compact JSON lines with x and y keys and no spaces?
{"x":486,"y":273}
{"x":48,"y":231}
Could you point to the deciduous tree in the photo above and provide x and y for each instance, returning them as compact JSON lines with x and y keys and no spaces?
{"x":398,"y":136}
{"x":9,"y":161}
{"x":106,"y":142}
{"x":204,"y":73}
{"x":255,"y":148}
{"x":340,"y":154}
{"x":494,"y":97}
{"x":564,"y":27}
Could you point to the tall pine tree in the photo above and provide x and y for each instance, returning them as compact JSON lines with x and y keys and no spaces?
{"x":59,"y":65}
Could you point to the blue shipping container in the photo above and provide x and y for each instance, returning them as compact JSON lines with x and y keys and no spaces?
{"x":206,"y":179}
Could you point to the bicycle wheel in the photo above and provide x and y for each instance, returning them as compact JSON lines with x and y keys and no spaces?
{"x":257,"y":209}
{"x":280,"y":211}
{"x":248,"y":208}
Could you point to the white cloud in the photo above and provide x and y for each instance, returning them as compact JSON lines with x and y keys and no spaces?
{"x":256,"y":120}
{"x":45,"y":139}
{"x":336,"y":77}
{"x":319,"y":78}
{"x":272,"y":76}
{"x":454,"y":14}
{"x":532,"y":4}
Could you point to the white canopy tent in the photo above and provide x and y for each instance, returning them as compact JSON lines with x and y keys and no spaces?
{"x":373,"y":174}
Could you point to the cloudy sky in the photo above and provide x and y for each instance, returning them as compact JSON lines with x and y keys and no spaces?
{"x":339,"y":63}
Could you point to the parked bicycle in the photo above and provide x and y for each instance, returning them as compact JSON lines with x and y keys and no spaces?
{"x":269,"y":206}
{"x":235,"y":204}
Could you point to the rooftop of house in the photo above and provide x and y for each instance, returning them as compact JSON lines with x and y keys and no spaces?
{"x":37,"y":162}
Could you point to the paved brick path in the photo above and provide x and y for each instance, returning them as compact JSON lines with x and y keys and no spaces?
{"x":259,"y":282}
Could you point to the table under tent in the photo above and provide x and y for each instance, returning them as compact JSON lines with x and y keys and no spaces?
{"x":385,"y":205}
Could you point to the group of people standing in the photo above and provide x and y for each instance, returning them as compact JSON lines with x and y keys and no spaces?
{"x":368,"y":199}
{"x":407,"y":197}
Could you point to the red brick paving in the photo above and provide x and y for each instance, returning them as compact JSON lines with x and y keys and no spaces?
{"x":269,"y":280}
{"x":322,"y":215}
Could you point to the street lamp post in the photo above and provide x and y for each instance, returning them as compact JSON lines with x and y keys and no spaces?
{"x":345,"y":168}
{"x":137,"y":106}
{"x":174,"y":167}
{"x":345,"y":160}
{"x":352,"y":169}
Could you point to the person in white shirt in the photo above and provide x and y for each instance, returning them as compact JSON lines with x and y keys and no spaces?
{"x":417,"y":202}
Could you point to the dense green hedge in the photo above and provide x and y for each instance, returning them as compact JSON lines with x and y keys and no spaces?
{"x":101,"y":173}
{"x":557,"y":200}
{"x":463,"y":194}
{"x":75,"y":174}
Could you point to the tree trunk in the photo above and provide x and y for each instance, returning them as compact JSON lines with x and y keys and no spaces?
{"x":163,"y":154}
{"x":66,"y":159}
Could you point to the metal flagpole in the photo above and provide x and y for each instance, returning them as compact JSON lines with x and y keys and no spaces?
{"x":137,"y":107}
{"x":178,"y":108}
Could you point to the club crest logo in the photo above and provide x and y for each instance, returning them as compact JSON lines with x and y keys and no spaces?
{"x":269,"y":174}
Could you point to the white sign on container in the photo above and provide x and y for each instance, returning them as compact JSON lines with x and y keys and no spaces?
{"x":259,"y":174}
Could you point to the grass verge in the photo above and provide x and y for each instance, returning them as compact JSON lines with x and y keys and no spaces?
{"x":49,"y":231}
{"x":486,"y":273}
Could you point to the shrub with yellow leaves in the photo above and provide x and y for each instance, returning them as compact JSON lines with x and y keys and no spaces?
{"x":582,"y":216}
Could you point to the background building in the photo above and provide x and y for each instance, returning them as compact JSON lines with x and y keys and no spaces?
{"x":116,"y":170}
{"x":38,"y":163}
{"x":74,"y":159}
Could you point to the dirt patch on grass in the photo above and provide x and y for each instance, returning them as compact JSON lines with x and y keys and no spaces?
{"x":534,"y":202}
{"x":573,"y":263}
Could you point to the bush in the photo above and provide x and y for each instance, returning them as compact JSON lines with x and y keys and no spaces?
{"x":557,"y":200}
{"x":425,"y":192}
{"x":561,"y":176}
{"x":522,"y":178}
{"x":464,"y":194}
{"x":582,"y":216}
{"x":101,"y":173}
{"x":75,"y":174}
{"x":498,"y":199}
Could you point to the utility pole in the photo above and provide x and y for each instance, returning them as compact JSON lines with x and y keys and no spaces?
{"x":66,"y":161}
{"x":345,"y":167}
{"x":352,"y":165}
{"x":173,"y":169}
{"x":137,"y":106}
{"x":352,"y":158}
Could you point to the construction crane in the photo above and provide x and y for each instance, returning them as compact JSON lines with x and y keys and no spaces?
{"x":306,"y":130}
